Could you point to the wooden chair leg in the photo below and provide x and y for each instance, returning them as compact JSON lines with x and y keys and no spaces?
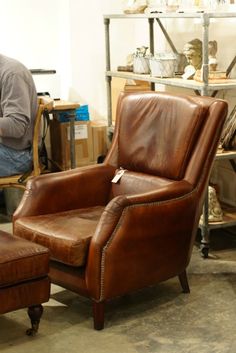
{"x":35,"y":312}
{"x":184,"y":282}
{"x":98,"y":315}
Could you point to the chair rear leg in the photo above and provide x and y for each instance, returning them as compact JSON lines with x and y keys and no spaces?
{"x":35,"y":312}
{"x":98,"y":315}
{"x":184,"y":282}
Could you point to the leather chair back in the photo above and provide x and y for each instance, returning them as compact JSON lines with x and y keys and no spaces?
{"x":170,"y":130}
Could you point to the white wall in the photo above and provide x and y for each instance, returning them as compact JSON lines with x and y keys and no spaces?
{"x":88,"y":51}
{"x":32,"y":32}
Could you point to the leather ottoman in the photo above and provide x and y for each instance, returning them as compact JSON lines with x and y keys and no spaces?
{"x":24,"y":280}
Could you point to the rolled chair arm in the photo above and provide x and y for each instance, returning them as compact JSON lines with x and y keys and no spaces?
{"x":133,"y":227}
{"x":62,"y":191}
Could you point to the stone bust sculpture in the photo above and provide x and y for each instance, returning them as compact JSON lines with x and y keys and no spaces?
{"x":193,"y":52}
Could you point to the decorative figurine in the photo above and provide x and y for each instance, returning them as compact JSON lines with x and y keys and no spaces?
{"x":214,"y":74}
{"x":193,"y":53}
{"x":215,"y":213}
{"x":212,"y":50}
{"x":134,"y":6}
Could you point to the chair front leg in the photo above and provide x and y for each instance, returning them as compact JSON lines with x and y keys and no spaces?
{"x":98,"y":315}
{"x":184,"y":282}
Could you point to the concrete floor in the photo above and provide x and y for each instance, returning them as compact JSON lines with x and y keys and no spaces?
{"x":158,"y":319}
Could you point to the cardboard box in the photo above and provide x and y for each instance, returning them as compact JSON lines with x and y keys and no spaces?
{"x":100,"y":138}
{"x":60,"y":143}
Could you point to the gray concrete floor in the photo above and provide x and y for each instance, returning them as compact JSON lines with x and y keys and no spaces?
{"x":157,"y":319}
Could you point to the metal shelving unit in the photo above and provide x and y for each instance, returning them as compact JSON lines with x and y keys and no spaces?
{"x":204,"y":88}
{"x":175,"y":81}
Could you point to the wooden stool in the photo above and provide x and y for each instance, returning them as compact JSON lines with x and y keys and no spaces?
{"x":24,"y":280}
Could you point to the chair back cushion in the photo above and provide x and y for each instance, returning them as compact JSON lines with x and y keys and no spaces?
{"x":157,"y":133}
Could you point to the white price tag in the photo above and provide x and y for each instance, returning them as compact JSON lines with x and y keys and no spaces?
{"x":118,"y":176}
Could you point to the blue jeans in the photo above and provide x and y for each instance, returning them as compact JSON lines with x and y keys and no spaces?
{"x":13,"y":161}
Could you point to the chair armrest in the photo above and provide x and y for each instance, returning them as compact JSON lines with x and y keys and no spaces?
{"x":116,"y":206}
{"x":132,"y":230}
{"x":62,"y":191}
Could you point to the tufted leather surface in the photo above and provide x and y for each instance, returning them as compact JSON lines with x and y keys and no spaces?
{"x":21,"y":260}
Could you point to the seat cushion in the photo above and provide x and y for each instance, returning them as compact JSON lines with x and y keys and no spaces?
{"x":21,"y":260}
{"x":66,"y":234}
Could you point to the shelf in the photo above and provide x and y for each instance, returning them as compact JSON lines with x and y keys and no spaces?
{"x":174,"y":15}
{"x":226,"y":155}
{"x":176,"y":81}
{"x":229,"y":219}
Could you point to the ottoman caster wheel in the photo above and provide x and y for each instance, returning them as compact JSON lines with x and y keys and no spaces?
{"x":35,"y":313}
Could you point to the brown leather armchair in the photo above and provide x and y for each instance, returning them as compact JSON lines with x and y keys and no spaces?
{"x":107,"y":239}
